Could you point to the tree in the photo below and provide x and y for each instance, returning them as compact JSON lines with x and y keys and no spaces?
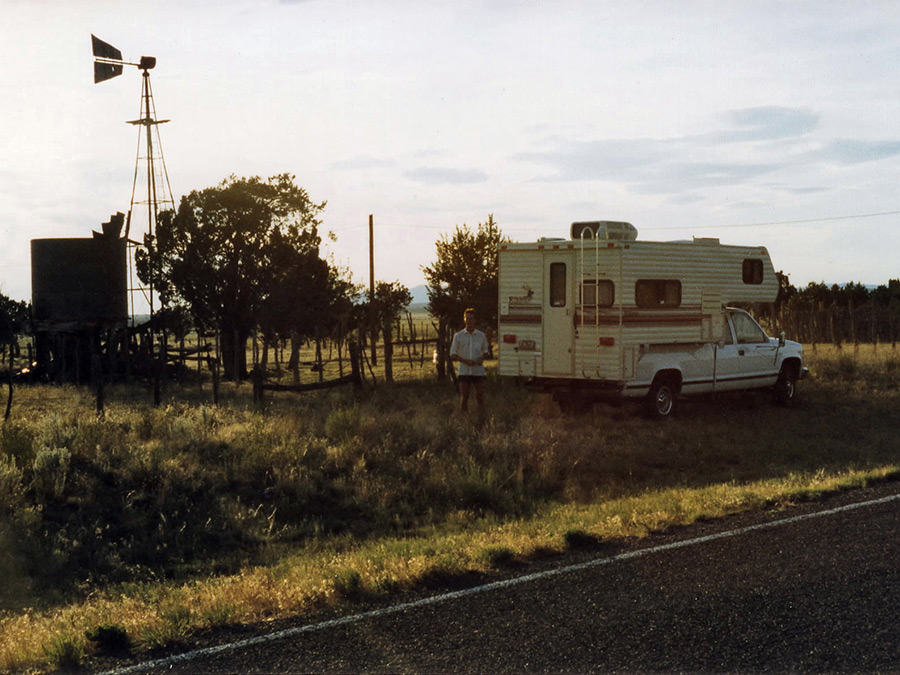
{"x":15,"y":317}
{"x":223,"y":254}
{"x":465,"y":274}
{"x":390,"y":300}
{"x":786,"y":290}
{"x":310,"y":300}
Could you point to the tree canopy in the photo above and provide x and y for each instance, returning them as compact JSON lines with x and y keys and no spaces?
{"x":237,"y":253}
{"x":15,"y":318}
{"x":465,"y":274}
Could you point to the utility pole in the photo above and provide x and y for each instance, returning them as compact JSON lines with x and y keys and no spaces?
{"x":373,"y":327}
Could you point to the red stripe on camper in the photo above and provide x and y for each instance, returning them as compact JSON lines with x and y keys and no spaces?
{"x":521,"y":318}
{"x":631,"y":317}
{"x":658,"y":320}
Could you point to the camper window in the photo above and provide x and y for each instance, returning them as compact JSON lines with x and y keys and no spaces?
{"x":657,"y":293}
{"x":557,"y":284}
{"x":753,"y":271}
{"x":597,"y":293}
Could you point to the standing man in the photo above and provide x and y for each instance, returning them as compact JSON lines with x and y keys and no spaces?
{"x":469,"y":348}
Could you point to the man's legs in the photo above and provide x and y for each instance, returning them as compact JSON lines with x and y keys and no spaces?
{"x":464,"y":394}
{"x":478,"y":384}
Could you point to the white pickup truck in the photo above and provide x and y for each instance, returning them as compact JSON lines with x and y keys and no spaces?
{"x":745,"y":358}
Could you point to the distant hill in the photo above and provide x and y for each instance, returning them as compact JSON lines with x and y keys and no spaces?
{"x":419,"y":295}
{"x":419,"y":299}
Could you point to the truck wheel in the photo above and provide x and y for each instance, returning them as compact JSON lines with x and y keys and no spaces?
{"x":786,"y":387}
{"x":660,"y":401}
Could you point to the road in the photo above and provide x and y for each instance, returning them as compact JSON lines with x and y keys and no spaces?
{"x":756,"y":593}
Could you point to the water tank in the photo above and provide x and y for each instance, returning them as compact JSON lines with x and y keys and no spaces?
{"x":78,"y":282}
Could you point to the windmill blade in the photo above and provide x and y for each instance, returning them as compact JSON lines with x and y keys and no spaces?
{"x":106,"y":71}
{"x":104,"y":50}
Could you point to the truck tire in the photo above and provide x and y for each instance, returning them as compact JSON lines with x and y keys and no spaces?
{"x":660,"y":400}
{"x":785,"y":388}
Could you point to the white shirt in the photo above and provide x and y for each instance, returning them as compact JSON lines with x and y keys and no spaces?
{"x":471,"y":346}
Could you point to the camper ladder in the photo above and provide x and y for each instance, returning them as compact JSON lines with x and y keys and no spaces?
{"x":594,"y":278}
{"x":585,"y":277}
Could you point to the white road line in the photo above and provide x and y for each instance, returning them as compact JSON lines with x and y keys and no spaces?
{"x":445,"y":597}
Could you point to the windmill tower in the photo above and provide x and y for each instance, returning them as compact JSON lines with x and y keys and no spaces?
{"x":150,"y":191}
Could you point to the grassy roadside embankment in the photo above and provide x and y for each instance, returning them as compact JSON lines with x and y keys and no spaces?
{"x":146,"y":526}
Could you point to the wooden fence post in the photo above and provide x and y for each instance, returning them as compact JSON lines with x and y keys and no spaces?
{"x":355,"y":370}
{"x":257,"y":376}
{"x":97,"y":378}
{"x":214,"y":366}
{"x":10,"y":385}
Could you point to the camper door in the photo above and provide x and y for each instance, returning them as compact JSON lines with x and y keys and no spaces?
{"x":559,"y":314}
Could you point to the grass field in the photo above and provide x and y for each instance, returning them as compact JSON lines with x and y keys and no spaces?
{"x":137,"y":530}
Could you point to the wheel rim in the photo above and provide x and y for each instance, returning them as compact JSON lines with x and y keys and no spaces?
{"x":787,"y":388}
{"x":664,"y":401}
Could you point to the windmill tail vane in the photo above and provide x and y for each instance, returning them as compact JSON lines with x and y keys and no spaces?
{"x":108,"y":60}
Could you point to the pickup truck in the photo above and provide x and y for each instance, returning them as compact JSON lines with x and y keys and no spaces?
{"x":745,"y":358}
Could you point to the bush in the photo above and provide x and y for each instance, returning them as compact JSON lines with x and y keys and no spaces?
{"x":497,"y":556}
{"x":576,"y":539}
{"x":49,"y":471}
{"x":109,"y":639}
{"x":11,"y":488}
{"x":347,"y":583}
{"x":65,"y":652}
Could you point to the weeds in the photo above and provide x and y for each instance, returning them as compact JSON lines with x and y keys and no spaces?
{"x":576,"y":538}
{"x":152,"y":523}
{"x":65,"y":652}
{"x":496,"y":556}
{"x":346,"y":583}
{"x":109,"y":639}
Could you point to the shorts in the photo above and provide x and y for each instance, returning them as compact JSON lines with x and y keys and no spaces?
{"x":472,"y":379}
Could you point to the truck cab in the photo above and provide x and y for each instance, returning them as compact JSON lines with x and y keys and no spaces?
{"x":744,"y":358}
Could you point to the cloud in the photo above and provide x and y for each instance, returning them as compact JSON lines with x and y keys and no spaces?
{"x":436,"y":175}
{"x":358,"y":163}
{"x":847,"y":151}
{"x":753,"y":143}
{"x":767,"y":123}
{"x":589,"y":160}
{"x":676,"y":177}
{"x":657,"y":166}
{"x":809,"y":190}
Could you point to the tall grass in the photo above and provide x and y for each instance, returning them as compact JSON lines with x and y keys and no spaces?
{"x":154,"y":523}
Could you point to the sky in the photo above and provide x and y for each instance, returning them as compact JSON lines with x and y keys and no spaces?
{"x":761,"y":123}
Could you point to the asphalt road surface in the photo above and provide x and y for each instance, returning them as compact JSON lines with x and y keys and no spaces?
{"x":764,"y":592}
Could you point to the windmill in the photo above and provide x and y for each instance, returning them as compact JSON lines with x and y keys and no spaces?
{"x":108,"y":63}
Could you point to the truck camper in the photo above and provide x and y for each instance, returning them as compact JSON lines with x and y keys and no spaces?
{"x":606,"y":316}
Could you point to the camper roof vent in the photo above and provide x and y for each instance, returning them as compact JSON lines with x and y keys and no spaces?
{"x":604,"y":229}
{"x":706,"y":240}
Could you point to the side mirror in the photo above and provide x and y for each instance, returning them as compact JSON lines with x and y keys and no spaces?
{"x":781,"y":339}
